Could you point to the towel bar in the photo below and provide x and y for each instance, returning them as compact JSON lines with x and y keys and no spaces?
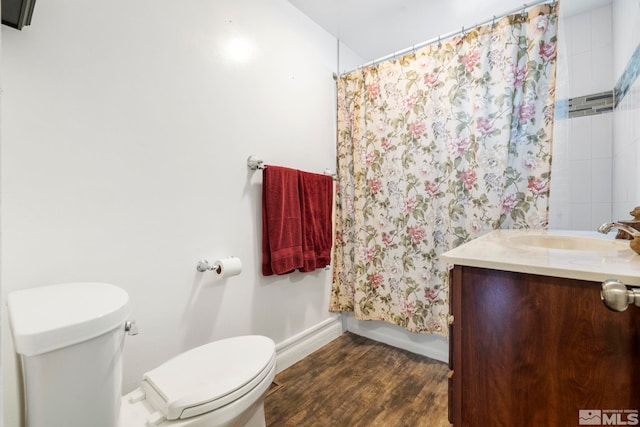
{"x":255,"y":163}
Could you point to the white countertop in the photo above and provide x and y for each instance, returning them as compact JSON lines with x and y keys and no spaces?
{"x":581,"y":255}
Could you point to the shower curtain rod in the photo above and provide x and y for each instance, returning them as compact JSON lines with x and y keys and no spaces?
{"x":442,"y":37}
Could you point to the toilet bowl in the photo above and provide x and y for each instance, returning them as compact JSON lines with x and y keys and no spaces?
{"x":69,"y":339}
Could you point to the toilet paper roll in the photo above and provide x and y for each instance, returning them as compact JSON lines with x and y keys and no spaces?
{"x":226,"y":267}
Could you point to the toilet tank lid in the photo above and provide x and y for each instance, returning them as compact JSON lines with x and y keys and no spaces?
{"x":50,"y":317}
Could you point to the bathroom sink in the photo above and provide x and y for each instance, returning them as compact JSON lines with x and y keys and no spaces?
{"x":571,"y":254}
{"x":568,"y":242}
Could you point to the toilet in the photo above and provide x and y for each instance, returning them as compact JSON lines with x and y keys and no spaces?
{"x":69,"y":339}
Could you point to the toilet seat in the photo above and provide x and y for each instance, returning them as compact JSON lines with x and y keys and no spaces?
{"x":208,"y":377}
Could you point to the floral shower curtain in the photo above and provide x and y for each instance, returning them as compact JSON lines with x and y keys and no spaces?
{"x":435,"y":149}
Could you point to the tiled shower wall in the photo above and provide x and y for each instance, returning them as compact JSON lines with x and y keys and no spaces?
{"x":583,"y":146}
{"x":595,"y":173}
{"x":626,"y":176}
{"x":626,"y":117}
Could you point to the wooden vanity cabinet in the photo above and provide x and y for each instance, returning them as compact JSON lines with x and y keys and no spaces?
{"x":530,"y":350}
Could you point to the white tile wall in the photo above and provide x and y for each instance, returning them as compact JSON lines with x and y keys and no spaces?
{"x":581,"y":33}
{"x":601,"y":182}
{"x":602,"y":136}
{"x":581,"y":181}
{"x":580,"y":74}
{"x":626,"y":123}
{"x":601,"y":69}
{"x":581,"y":192}
{"x":580,"y":138}
{"x":589,"y":46}
{"x":580,"y":216}
{"x":590,"y":141}
{"x":595,"y":173}
{"x":626,"y":32}
{"x":601,"y":34}
{"x":600,"y":213}
{"x":626,"y":173}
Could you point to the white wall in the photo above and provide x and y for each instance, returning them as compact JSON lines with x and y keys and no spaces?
{"x":626,"y":126}
{"x":125,"y":132}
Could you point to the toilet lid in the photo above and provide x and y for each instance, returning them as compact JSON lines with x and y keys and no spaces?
{"x":208,"y":377}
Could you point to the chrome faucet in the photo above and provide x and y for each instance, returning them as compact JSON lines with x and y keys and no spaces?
{"x":608,"y":226}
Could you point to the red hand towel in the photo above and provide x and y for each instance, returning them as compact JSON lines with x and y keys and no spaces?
{"x":281,"y":223}
{"x":316,"y":198}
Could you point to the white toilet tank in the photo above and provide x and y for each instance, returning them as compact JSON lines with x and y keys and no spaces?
{"x":69,"y":339}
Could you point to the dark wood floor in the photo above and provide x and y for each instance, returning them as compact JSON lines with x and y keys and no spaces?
{"x":354,"y":381}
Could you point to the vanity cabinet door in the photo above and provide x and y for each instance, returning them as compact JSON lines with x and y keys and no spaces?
{"x":534,"y":350}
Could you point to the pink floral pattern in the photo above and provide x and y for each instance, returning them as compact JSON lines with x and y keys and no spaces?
{"x":434,"y":149}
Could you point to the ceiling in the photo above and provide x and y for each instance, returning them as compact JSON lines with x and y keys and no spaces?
{"x":376,"y":28}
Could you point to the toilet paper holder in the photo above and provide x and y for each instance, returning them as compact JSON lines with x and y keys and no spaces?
{"x":225,"y":267}
{"x":204,"y":265}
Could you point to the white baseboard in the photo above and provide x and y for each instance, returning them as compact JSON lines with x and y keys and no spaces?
{"x":306,"y":342}
{"x":433,"y":346}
